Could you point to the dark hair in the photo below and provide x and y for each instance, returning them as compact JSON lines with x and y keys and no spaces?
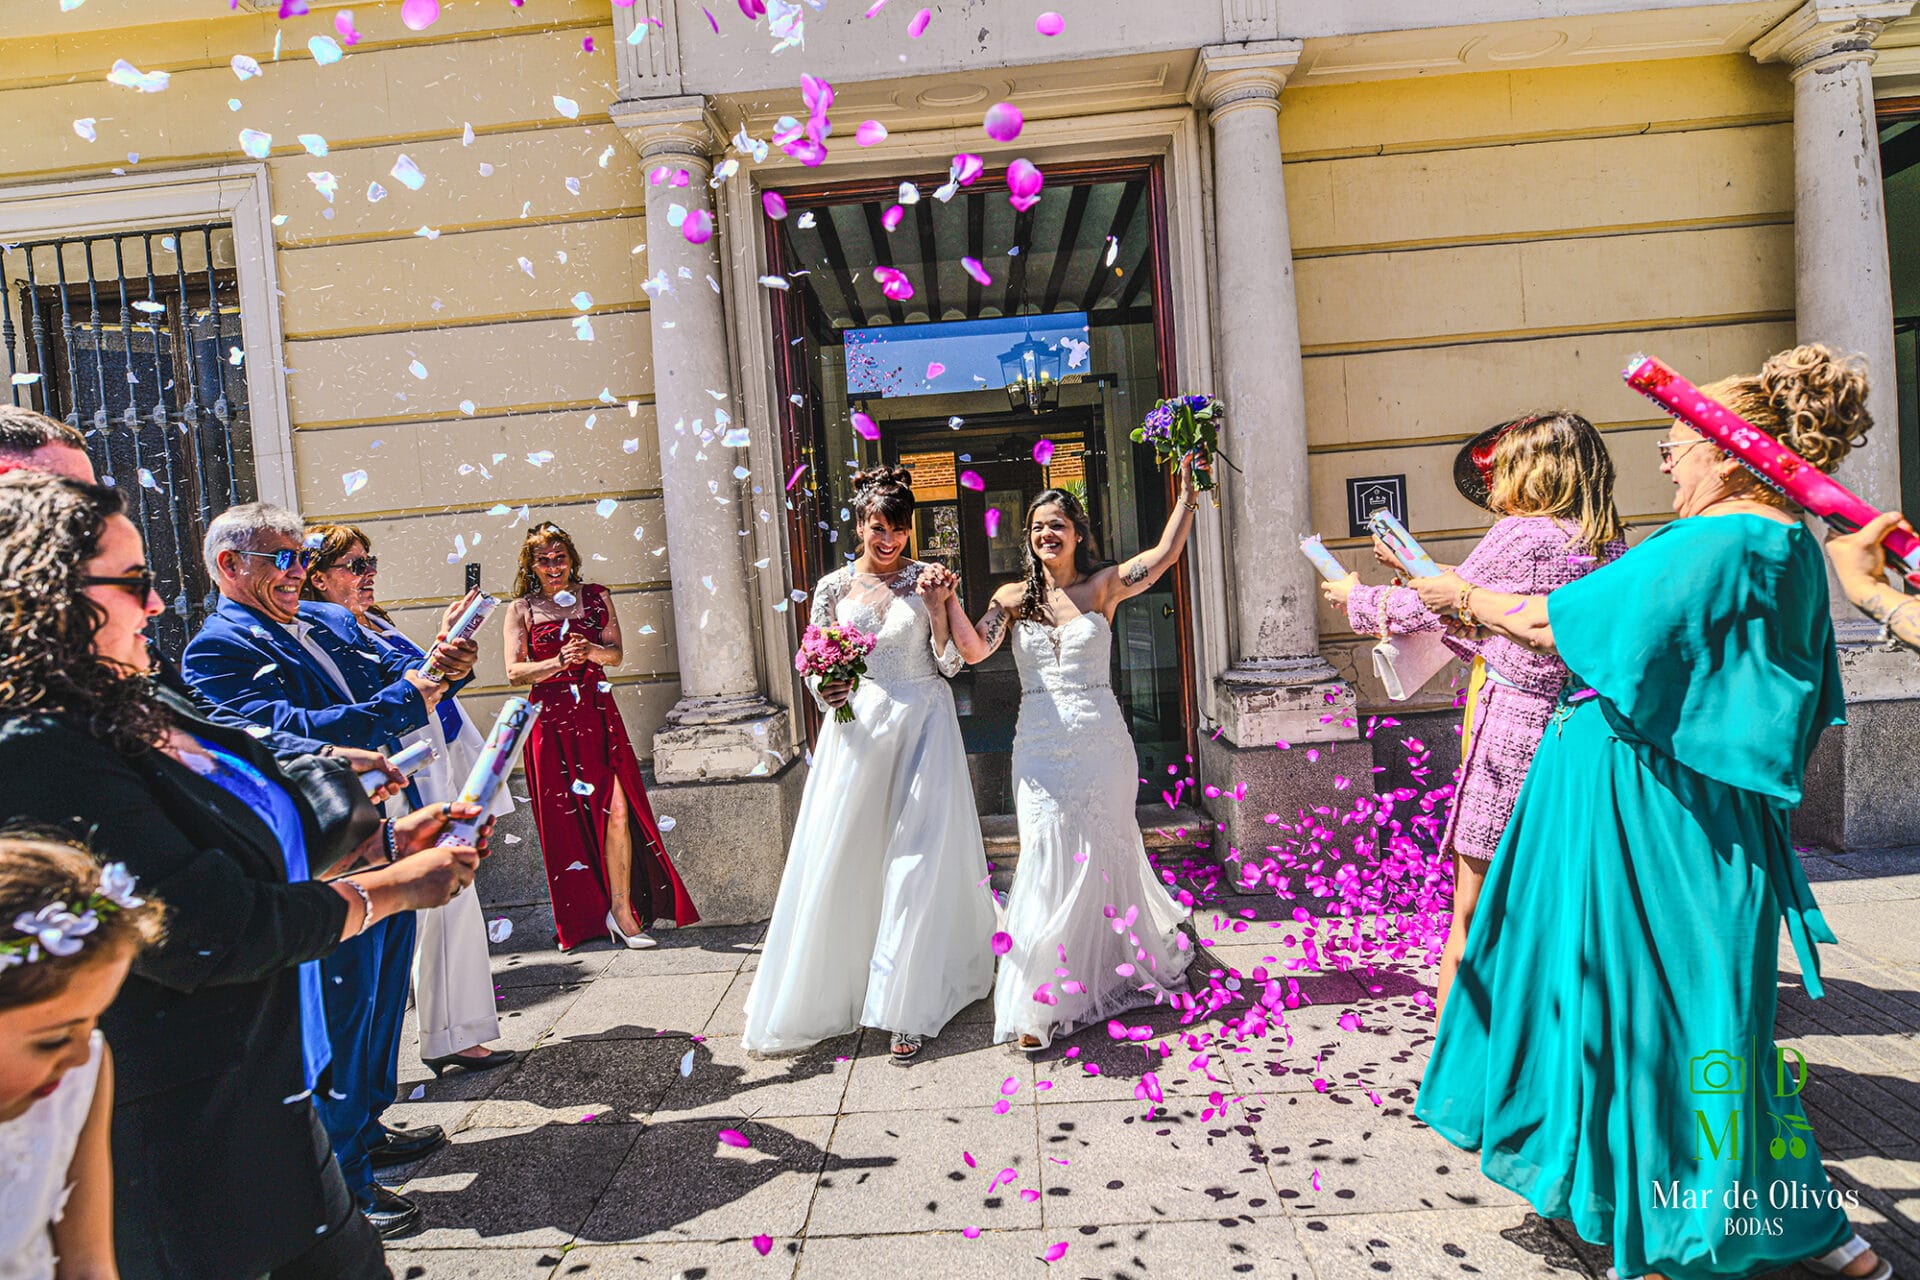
{"x":39,"y":869}
{"x":24,"y":430}
{"x":886,"y":492}
{"x":330,"y":544}
{"x":1086,"y":555}
{"x":50,"y":529}
{"x":525,"y":581}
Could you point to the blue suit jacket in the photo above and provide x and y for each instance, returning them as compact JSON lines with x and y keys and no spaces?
{"x":244,"y":661}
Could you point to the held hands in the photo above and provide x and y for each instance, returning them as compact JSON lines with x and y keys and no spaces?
{"x":937,"y":585}
{"x":1337,"y":590}
{"x":836,"y":692}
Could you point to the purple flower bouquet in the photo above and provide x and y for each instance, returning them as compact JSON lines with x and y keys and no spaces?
{"x":1186,"y":427}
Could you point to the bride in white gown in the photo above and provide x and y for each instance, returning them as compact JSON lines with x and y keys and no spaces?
{"x":1094,"y":931}
{"x":884,"y":918}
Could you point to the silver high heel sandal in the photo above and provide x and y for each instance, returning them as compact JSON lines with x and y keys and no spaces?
{"x":1834,"y":1262}
{"x":632,"y":941}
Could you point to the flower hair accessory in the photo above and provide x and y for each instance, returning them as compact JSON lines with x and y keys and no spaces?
{"x":59,"y":929}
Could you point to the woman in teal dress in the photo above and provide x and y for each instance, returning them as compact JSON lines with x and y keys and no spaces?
{"x":1609,"y":1045}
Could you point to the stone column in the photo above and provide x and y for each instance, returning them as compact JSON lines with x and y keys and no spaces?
{"x":1277,"y":688}
{"x":1278,"y":685}
{"x":723,"y":729}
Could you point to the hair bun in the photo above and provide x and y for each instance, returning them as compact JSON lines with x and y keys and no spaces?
{"x":878,"y":477}
{"x":1821,"y":397}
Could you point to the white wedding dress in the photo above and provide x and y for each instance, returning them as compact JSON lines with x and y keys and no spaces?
{"x":884,"y":917}
{"x":1094,"y":931}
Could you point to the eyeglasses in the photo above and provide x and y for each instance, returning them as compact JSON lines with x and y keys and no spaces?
{"x":1670,"y":447}
{"x":284,"y":559}
{"x":359,"y":566}
{"x":137,"y":585}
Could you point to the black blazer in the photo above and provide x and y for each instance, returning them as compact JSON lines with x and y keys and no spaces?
{"x":213,"y":1151}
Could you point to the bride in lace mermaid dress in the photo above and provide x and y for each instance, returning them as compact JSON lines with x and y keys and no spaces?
{"x":1094,"y":931}
{"x":884,"y":918}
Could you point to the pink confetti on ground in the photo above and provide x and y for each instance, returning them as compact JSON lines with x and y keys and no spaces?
{"x":1049,"y":24}
{"x":753,"y":8}
{"x":733,"y":1138}
{"x":918,"y":26}
{"x":1004,"y":121}
{"x":344,"y":28}
{"x":968,"y":1157}
{"x":1055,"y":1252}
{"x":971,"y":1233}
{"x":763,"y":1245}
{"x":1043,"y":452}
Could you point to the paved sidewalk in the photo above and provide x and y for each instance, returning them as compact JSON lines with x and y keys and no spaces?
{"x":598,"y":1155}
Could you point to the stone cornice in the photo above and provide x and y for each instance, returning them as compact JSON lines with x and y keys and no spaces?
{"x":681,"y":127}
{"x":1227,"y":76}
{"x":1819,"y":33}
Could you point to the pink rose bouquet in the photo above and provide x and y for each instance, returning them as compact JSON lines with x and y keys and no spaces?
{"x":835,"y":653}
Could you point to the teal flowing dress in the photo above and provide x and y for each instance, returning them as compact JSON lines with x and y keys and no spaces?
{"x":1608,"y":1044}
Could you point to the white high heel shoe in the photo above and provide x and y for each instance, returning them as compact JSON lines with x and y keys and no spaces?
{"x":633,"y":941}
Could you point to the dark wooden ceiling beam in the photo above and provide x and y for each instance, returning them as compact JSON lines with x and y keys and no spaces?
{"x":838,"y":272}
{"x":1017,"y":272}
{"x":1068,"y":242}
{"x":976,"y":247}
{"x":929,"y":257}
{"x":1122,"y":222}
{"x":882,"y":252}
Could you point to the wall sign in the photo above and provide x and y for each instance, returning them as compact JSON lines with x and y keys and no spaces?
{"x":1368,"y":494}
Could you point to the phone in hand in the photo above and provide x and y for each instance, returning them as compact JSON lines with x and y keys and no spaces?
{"x":473,"y":576}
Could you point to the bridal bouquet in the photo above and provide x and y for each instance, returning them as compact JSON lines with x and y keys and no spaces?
{"x":835,"y":653}
{"x":1186,"y":427}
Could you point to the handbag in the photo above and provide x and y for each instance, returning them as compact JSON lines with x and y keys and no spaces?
{"x":343,"y":815}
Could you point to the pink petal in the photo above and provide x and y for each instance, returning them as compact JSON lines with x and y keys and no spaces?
{"x":1029,"y":1194}
{"x":972,"y":480}
{"x":891,"y":218}
{"x":1055,"y":1252}
{"x":1009,"y":1087}
{"x":874,"y":9}
{"x":1023,"y":184}
{"x":418,"y":15}
{"x":698,"y":228}
{"x":966,"y":167}
{"x":586,"y":45}
{"x":978,"y":272}
{"x":968,"y":1157}
{"x":1050,"y":24}
{"x":1002,"y":943}
{"x":733,"y":1138}
{"x":993,"y":531}
{"x":763,"y":1244}
{"x":971,"y":1233}
{"x":919,"y":23}
{"x":865,"y":426}
{"x":1043,"y":452}
{"x":343,"y":26}
{"x":870,"y":132}
{"x":1001,"y":1107}
{"x":934,"y":370}
{"x":1004,"y":122}
{"x":775,"y":204}
{"x":893,"y":282}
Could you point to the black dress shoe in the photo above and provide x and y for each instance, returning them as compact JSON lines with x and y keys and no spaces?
{"x":390,"y":1213}
{"x":404,"y":1146}
{"x":498,"y":1058}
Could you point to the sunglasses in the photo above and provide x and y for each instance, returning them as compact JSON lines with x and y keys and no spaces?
{"x":359,"y":566}
{"x":137,"y":585}
{"x":284,"y":559}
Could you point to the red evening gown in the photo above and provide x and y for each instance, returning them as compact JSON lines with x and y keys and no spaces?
{"x":579,"y":738}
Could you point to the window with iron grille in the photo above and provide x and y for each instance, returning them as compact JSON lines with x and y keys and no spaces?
{"x":134,"y":339}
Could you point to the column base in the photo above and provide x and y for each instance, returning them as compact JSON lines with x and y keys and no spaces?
{"x":1265,"y":701}
{"x":729,"y":840}
{"x":706,"y":739}
{"x":1284,"y":783}
{"x":1860,"y":780}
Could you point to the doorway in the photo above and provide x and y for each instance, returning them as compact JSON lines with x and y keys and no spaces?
{"x":1026,"y":347}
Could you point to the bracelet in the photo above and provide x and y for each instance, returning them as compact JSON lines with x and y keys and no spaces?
{"x":1382,"y":630}
{"x":366,"y":900}
{"x":1464,"y":605}
{"x":329,"y":750}
{"x":386,"y":838}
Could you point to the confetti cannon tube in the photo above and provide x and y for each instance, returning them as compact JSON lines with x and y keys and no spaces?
{"x":1402,"y":544}
{"x":466,"y":627}
{"x":1313,"y":549}
{"x":411,"y":761}
{"x":1775,"y":464}
{"x":504,"y":744}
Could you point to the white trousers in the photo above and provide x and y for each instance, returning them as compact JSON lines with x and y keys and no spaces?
{"x":452,"y":979}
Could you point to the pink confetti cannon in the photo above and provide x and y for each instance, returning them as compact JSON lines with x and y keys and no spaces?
{"x":1775,"y":464}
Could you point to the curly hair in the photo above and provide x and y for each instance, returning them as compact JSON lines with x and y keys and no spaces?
{"x":525,"y":581}
{"x":1086,"y":555}
{"x":330,"y":544}
{"x":41,"y":868}
{"x":886,"y":492}
{"x":1812,"y":399}
{"x":50,"y":528}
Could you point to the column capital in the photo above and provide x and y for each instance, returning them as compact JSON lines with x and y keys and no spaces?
{"x":1227,"y":76}
{"x":680,"y":128}
{"x":1821,"y":33}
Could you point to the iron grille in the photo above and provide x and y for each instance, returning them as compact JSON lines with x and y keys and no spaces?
{"x":134,"y":339}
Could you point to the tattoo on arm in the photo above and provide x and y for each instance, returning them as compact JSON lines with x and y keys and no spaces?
{"x":1138,"y":570}
{"x":993,"y":627}
{"x":1900,"y":613}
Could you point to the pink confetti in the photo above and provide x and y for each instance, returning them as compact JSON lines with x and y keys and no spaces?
{"x":1023,"y":184}
{"x":1055,"y":1252}
{"x":1001,"y":1107}
{"x":1006,"y":1176}
{"x":586,"y":45}
{"x":1009,"y":1087}
{"x":1316,"y":1180}
{"x":344,"y":28}
{"x":418,"y":15}
{"x":753,"y":8}
{"x":698,"y":228}
{"x":1043,"y":452}
{"x":870,"y":133}
{"x":292,"y":9}
{"x":971,"y":1233}
{"x":968,"y":1157}
{"x":972,"y":480}
{"x":966,"y":167}
{"x":894,"y":283}
{"x":1002,"y":943}
{"x":763,"y":1245}
{"x":733,"y":1138}
{"x":1049,"y":24}
{"x":1004,"y":122}
{"x":1350,"y":1022}
{"x":711,"y":20}
{"x":978,"y":272}
{"x":992,"y":521}
{"x":775,"y":204}
{"x":934,"y":370}
{"x":795,"y":477}
{"x":918,"y":26}
{"x":1029,"y":1194}
{"x":891,"y":218}
{"x":865,"y":426}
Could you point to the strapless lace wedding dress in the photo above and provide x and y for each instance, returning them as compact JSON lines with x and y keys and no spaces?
{"x":1094,"y":930}
{"x":884,"y":918}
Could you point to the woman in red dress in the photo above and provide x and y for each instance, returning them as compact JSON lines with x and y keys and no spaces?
{"x":607,"y":867}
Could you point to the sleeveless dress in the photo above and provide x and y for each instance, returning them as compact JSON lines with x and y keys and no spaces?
{"x":1609,"y":1045}
{"x":884,"y":917}
{"x":576,"y":750}
{"x":36,"y":1150}
{"x":1094,"y":930}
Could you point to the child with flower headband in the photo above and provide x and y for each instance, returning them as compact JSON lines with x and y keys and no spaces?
{"x":69,"y":931}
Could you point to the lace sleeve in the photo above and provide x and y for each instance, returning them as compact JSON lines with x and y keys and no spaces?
{"x":947,"y":660}
{"x":826,"y":599}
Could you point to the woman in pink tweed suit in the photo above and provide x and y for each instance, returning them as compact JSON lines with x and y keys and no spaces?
{"x":1549,"y":477}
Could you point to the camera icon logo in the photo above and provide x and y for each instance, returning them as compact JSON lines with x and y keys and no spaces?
{"x":1718,"y":1072}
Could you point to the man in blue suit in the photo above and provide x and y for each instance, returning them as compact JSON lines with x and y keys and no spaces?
{"x":305,"y":668}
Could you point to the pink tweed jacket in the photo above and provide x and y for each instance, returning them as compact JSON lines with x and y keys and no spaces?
{"x":1527,"y":555}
